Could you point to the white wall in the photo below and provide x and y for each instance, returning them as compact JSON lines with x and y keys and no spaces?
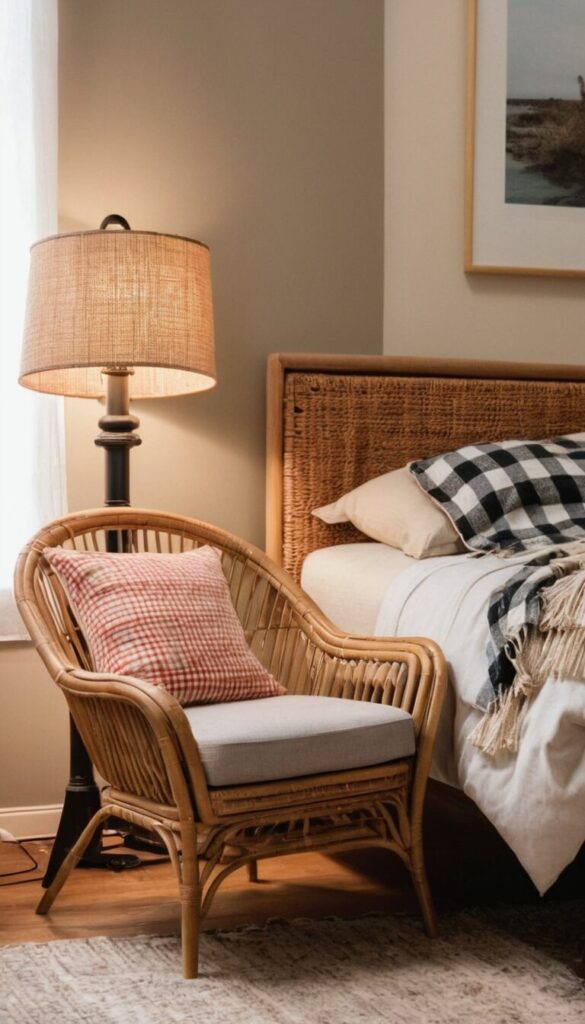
{"x":430,"y":306}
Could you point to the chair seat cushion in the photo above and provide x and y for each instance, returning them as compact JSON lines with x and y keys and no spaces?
{"x":285,"y":737}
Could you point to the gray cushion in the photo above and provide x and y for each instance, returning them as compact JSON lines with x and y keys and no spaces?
{"x":284,"y":737}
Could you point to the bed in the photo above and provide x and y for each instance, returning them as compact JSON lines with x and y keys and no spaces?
{"x":335,"y":422}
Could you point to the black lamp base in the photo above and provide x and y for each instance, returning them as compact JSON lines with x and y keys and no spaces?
{"x":82,"y":798}
{"x":82,"y":801}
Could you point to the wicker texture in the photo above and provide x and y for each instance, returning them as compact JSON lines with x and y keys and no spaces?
{"x":131,"y":299}
{"x":341,"y":429}
{"x":139,"y":739}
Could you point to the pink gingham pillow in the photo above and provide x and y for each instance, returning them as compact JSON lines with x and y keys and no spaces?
{"x":167,"y":619}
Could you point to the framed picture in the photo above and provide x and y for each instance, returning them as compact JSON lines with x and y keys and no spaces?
{"x":525,"y":164}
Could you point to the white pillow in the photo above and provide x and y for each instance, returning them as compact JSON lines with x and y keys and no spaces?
{"x":393,"y":509}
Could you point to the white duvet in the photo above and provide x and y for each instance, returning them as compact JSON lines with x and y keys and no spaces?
{"x":535,"y":798}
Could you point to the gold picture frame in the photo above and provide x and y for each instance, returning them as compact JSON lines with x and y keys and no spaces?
{"x":506,"y":235}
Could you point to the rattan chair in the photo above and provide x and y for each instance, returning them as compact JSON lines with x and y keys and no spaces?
{"x":139,"y":739}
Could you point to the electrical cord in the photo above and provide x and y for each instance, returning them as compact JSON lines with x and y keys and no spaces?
{"x":35,"y":864}
{"x":23,"y":871}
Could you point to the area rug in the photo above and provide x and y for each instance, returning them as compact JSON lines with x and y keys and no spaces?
{"x":501,"y":967}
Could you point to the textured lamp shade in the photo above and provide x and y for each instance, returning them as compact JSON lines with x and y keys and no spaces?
{"x":106,"y":299}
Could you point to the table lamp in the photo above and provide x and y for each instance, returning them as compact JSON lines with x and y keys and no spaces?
{"x":118,"y":314}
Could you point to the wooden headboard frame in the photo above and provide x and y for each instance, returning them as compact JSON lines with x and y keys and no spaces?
{"x":335,"y":421}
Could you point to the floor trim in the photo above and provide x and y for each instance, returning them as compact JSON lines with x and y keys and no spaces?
{"x":30,"y":822}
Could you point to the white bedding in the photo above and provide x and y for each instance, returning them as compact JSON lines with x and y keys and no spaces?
{"x":349,"y":582}
{"x":536,"y":798}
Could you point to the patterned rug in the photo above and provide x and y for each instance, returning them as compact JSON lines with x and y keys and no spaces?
{"x":508,"y":966}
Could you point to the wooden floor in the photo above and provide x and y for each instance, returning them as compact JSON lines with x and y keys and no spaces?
{"x":468,"y":866}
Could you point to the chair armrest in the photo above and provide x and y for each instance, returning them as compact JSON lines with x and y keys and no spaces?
{"x":312,"y":656}
{"x":291,"y":614}
{"x":138,"y":737}
{"x":407,"y":672}
{"x":404,"y":671}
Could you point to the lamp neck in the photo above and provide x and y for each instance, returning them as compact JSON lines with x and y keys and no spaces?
{"x":117,"y":437}
{"x":118,"y":392}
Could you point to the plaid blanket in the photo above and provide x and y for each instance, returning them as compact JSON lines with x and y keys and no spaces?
{"x":513,"y":609}
{"x":511,"y":496}
{"x":508,"y":498}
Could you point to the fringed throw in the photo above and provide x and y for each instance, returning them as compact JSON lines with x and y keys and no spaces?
{"x":537,"y":632}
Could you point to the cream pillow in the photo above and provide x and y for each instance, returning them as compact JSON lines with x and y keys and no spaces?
{"x":393,"y":509}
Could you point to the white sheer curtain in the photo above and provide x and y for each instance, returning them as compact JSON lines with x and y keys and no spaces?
{"x":32,"y":478}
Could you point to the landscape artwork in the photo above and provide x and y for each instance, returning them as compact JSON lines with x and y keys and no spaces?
{"x":545,"y":111}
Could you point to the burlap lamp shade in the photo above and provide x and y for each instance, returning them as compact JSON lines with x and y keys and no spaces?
{"x":104,"y":299}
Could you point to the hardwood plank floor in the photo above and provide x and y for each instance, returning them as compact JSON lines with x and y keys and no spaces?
{"x":468,"y":865}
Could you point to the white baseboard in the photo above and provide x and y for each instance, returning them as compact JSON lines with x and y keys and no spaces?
{"x":30,"y":822}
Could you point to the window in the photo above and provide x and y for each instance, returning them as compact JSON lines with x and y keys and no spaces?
{"x":32,"y":483}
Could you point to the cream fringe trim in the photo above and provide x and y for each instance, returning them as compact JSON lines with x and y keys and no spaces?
{"x":555,"y":649}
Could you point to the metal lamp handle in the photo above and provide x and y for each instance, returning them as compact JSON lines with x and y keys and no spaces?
{"x":114,"y":218}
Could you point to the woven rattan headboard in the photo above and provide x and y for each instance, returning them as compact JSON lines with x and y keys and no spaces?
{"x":336,"y":421}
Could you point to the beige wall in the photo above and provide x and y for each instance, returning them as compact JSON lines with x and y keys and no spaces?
{"x":34,"y":732}
{"x":257,"y":126}
{"x":430,"y":306}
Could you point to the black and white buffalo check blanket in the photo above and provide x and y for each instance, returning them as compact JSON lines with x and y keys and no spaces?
{"x":511,"y":498}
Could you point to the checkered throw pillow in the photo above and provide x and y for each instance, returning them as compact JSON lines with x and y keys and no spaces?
{"x":514,"y":495}
{"x":167,"y":619}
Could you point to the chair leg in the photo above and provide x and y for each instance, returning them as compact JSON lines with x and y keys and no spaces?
{"x":190,"y":926}
{"x":190,"y":907}
{"x":253,"y":871}
{"x":73,"y":857}
{"x":422,"y":889}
